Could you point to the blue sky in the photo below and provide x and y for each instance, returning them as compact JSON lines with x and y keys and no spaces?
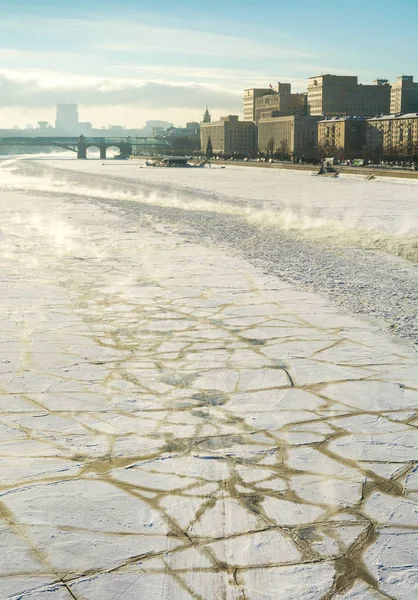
{"x":127,"y":62}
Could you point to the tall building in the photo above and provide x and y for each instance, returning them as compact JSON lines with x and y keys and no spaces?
{"x":296,"y":136}
{"x":342,"y":137}
{"x":206,"y":116}
{"x":262,"y":103}
{"x":280,"y":105}
{"x":341,"y":95}
{"x":404,"y":95}
{"x":66,"y":120}
{"x":229,"y":136}
{"x":393,"y":136}
{"x":250,"y":96}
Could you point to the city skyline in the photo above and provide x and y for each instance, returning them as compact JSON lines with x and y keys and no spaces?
{"x":168,"y":60}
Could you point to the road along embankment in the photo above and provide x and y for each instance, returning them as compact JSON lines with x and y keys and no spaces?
{"x":366,"y":171}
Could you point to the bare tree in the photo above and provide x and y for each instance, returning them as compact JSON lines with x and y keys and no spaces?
{"x":270,"y":147}
{"x":284,"y":149}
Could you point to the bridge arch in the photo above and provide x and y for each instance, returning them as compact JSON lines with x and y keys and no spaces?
{"x":93,"y":151}
{"x":112,"y":150}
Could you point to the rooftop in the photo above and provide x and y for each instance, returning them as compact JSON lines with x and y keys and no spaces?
{"x":397,"y":116}
{"x":345,"y":118}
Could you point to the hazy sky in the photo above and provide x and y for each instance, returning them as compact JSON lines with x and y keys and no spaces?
{"x":125,"y":62}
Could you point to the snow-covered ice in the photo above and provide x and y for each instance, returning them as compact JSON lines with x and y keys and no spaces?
{"x":177,"y":421}
{"x":354,"y":240}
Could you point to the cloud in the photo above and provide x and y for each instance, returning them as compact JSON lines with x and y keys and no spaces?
{"x":235,"y":79}
{"x":19,"y":55}
{"x":140,"y":38}
{"x":35,"y":92}
{"x":123,"y":68}
{"x":141,"y":35}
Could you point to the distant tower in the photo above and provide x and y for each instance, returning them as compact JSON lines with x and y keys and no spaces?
{"x":66,"y":121}
{"x":206,"y":116}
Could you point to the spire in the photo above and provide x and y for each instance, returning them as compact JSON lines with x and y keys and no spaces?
{"x":206,"y":115}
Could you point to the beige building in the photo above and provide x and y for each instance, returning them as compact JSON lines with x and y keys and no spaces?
{"x":338,"y":96}
{"x":250,"y":96}
{"x":393,"y":136}
{"x":229,"y":136}
{"x":404,"y":95}
{"x":280,"y":105}
{"x":342,"y":137}
{"x":296,"y":136}
{"x":273,"y":102}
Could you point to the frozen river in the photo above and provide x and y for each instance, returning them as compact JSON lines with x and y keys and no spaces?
{"x":189,"y":407}
{"x":353,"y":240}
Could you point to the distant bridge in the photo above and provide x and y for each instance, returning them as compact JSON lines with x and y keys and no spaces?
{"x":81,"y":144}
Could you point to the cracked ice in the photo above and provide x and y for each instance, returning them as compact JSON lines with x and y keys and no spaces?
{"x":177,"y":423}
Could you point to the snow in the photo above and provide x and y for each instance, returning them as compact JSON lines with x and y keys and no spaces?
{"x":349,"y":238}
{"x":179,"y":421}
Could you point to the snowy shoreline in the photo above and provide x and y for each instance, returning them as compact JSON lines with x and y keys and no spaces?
{"x":297,"y":168}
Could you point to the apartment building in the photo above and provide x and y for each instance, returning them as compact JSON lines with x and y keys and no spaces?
{"x":342,"y":137}
{"x":296,"y":136}
{"x":341,"y":95}
{"x":229,"y":136}
{"x":393,"y":136}
{"x":404,"y":95}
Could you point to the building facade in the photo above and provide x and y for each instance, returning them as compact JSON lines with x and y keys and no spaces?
{"x":338,"y":96}
{"x":193,"y":127}
{"x":229,"y":136}
{"x":250,"y":96}
{"x":280,"y":105}
{"x":278,"y":101}
{"x":342,"y":137}
{"x":66,"y":119}
{"x":393,"y":136}
{"x":404,"y":95}
{"x":295,"y":136}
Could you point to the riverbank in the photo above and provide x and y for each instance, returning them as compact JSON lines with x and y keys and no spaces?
{"x":366,"y":171}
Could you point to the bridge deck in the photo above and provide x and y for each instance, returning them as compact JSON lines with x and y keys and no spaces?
{"x":68,"y":141}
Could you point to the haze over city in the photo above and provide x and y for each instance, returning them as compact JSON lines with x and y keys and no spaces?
{"x":167,"y":60}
